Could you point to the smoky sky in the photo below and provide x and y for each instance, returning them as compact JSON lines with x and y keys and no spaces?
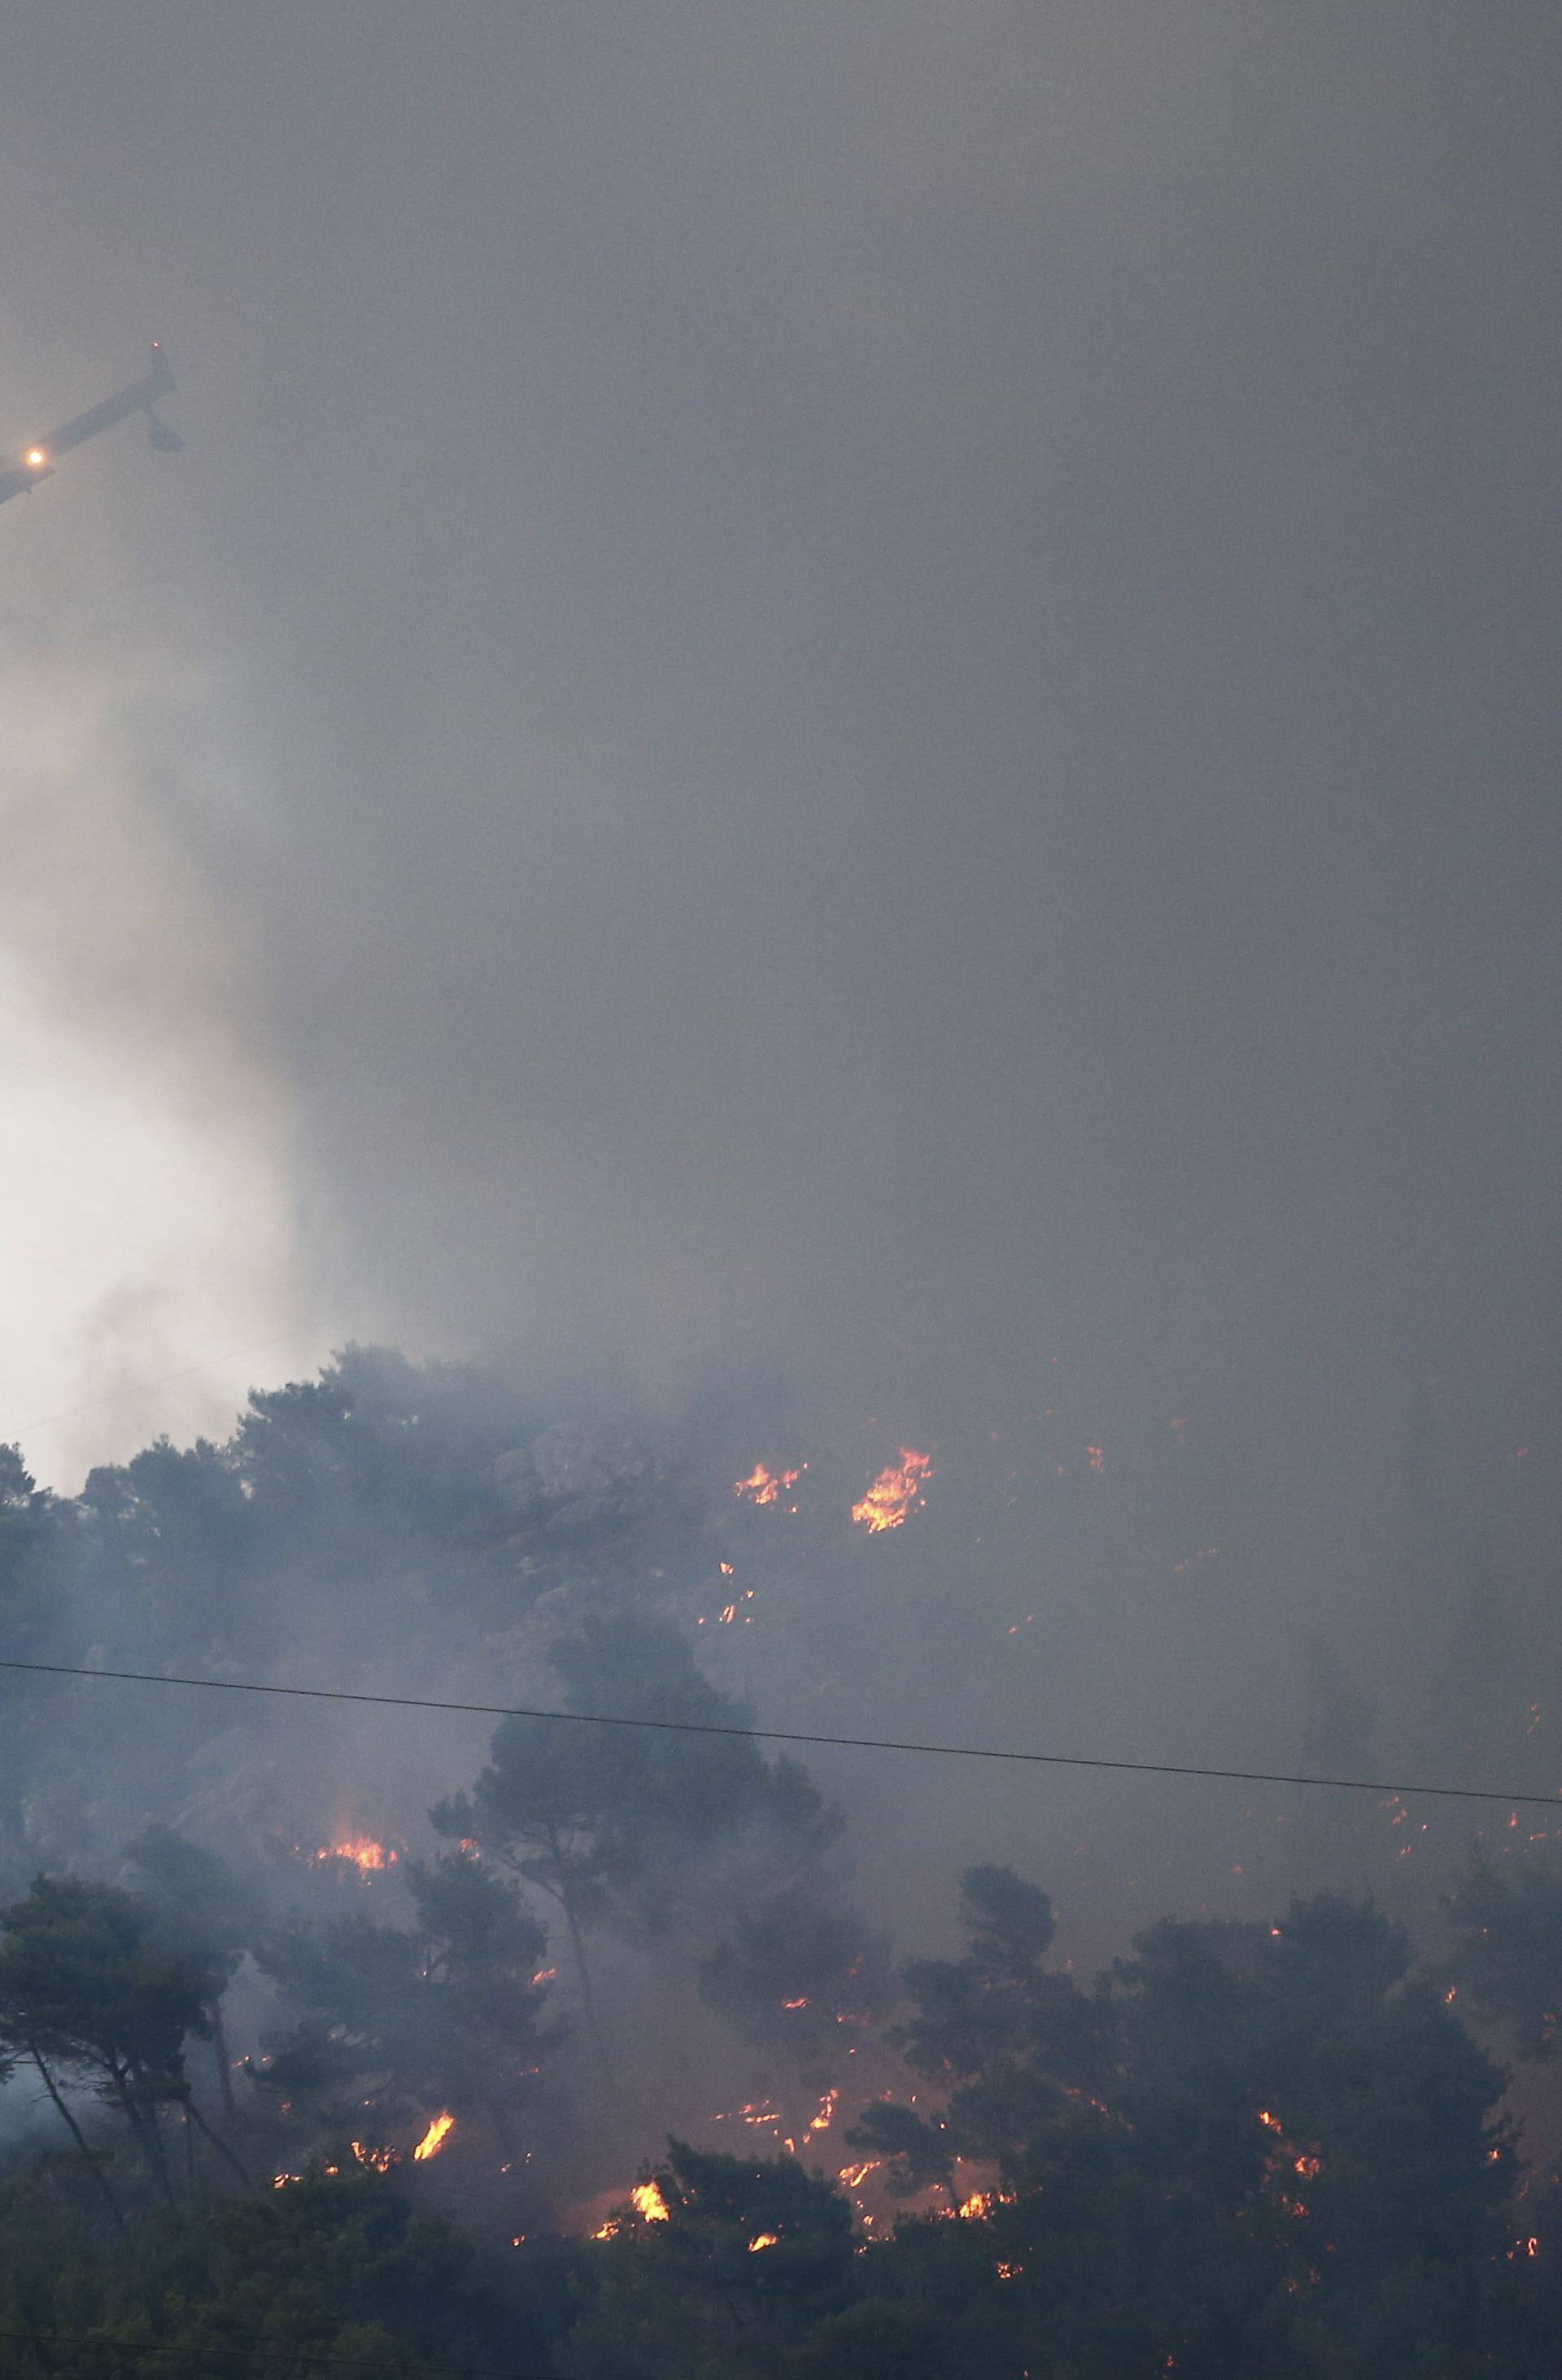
{"x":886,"y":673}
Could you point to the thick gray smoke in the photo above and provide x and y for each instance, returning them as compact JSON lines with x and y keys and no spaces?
{"x":879,"y":712}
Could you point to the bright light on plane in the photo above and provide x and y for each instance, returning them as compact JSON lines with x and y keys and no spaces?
{"x":36,"y":458}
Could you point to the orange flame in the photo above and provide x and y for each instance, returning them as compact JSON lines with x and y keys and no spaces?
{"x":371,"y":2155}
{"x":763,"y":1486}
{"x":895,"y":1492}
{"x":434,"y":2139}
{"x":822,"y":2121}
{"x":365,"y":1854}
{"x":649,"y":2203}
{"x":762,"y":2240}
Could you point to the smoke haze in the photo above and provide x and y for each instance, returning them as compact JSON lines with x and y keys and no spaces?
{"x":849,"y":697}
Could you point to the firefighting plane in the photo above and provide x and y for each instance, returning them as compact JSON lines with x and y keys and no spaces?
{"x":38,"y":460}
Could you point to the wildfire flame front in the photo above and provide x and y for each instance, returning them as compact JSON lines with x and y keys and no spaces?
{"x":895,"y":1492}
{"x":434,"y":2139}
{"x":763,"y":1486}
{"x":365,"y":1854}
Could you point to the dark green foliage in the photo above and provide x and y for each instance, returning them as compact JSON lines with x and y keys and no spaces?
{"x":175,"y":1535}
{"x":37,"y":1545}
{"x":1244,"y":2152}
{"x":206,"y":1909}
{"x":32,"y":1526}
{"x":412,"y":1514}
{"x":1237,"y":2116}
{"x":918,"y":2150}
{"x":1009,"y":1922}
{"x":443,"y":2014}
{"x":793,"y":1969}
{"x":340,"y":2275}
{"x":875,"y":2340}
{"x":377,"y":1439}
{"x":1248,"y":2153}
{"x":635,"y":1826}
{"x":88,"y":1977}
{"x":92,"y":1992}
{"x":1508,"y":1963}
{"x":651,"y":1830}
{"x":696,"y":2294}
{"x":361,"y":1494}
{"x":202,"y":1900}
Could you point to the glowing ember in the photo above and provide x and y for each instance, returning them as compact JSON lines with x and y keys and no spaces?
{"x":796,"y":2004}
{"x":1009,"y":2272}
{"x":853,"y":2176}
{"x":545,"y":1974}
{"x":977,"y":2207}
{"x":365,"y":1854}
{"x":1270,"y":2123}
{"x":369,"y":2154}
{"x":826,"y":2117}
{"x":763,"y":1486}
{"x":762,"y":2240}
{"x":895,"y":1492}
{"x":434,"y":2139}
{"x":1097,"y":2107}
{"x":649,"y":2203}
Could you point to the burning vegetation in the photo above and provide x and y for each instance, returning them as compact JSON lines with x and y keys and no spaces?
{"x":370,"y":1858}
{"x":895,"y":1494}
{"x":494,"y":2013}
{"x":764,"y":1487}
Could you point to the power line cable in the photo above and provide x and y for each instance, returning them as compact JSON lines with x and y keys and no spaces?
{"x":794,"y":1735}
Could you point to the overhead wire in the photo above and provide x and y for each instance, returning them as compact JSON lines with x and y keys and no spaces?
{"x":283,"y":2357}
{"x":1081,"y":1760}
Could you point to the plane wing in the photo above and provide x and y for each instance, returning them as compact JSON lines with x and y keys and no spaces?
{"x":38,"y":460}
